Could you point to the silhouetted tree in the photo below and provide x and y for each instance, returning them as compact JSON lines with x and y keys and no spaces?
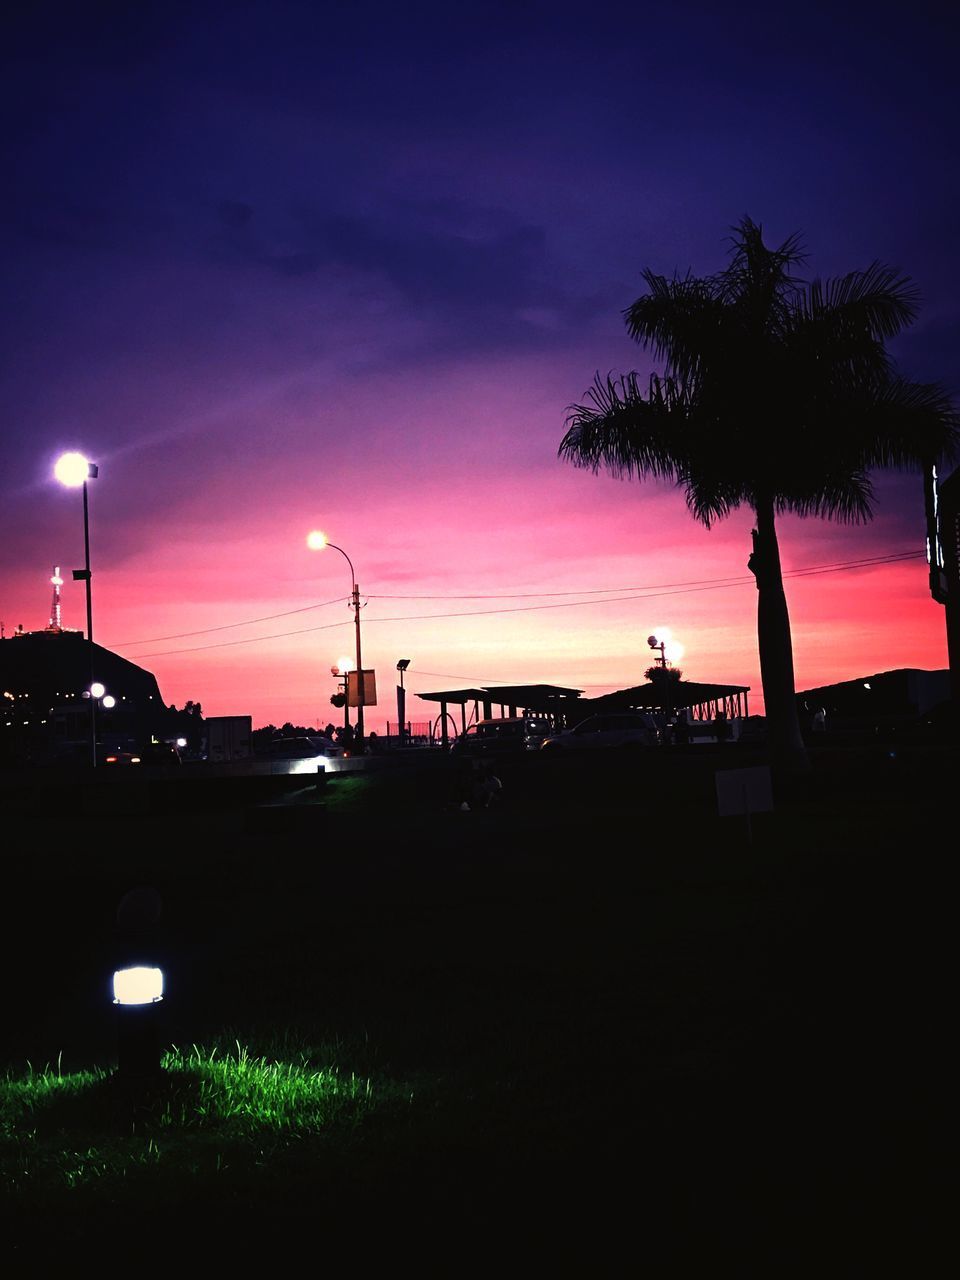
{"x":777,"y":394}
{"x":659,"y":675}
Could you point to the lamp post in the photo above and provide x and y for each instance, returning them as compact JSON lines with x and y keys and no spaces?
{"x":402,"y":699}
{"x":73,"y":470}
{"x":342,"y":669}
{"x":661,"y":640}
{"x":317,"y":541}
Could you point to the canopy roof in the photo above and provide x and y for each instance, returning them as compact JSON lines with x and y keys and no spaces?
{"x":534,"y":697}
{"x":676,"y":695}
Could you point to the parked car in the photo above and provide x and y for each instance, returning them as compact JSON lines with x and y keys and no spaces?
{"x":110,"y":755}
{"x":625,"y":729}
{"x":160,"y":754}
{"x":510,"y":735}
{"x":303,"y":748}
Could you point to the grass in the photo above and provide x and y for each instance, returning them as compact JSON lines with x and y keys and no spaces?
{"x":208,"y":1110}
{"x":592,"y":1015}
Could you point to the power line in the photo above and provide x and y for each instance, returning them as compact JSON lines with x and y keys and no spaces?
{"x":227,"y":626}
{"x":696,"y":582}
{"x":614,"y":592}
{"x":646,"y":594}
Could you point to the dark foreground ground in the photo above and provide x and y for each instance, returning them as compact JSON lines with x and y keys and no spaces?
{"x":635,"y":1039}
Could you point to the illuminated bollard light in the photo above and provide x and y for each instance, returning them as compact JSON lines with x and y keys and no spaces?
{"x":137,"y":993}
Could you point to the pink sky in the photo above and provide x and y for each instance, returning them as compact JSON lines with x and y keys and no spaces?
{"x":345,"y":269}
{"x":487,"y":511}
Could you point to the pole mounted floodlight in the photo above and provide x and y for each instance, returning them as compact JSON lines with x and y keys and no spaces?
{"x":73,"y":471}
{"x":137,"y":993}
{"x":318,"y":541}
{"x":402,"y":699}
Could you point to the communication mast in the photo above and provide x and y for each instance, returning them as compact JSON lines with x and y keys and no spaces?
{"x":54,"y":624}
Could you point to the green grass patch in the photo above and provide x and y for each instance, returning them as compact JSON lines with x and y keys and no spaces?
{"x":209,"y":1111}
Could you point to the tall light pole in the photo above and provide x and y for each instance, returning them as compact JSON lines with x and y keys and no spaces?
{"x":317,"y":541}
{"x":73,"y":470}
{"x":402,"y":699}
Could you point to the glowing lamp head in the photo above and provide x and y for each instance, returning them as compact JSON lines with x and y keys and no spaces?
{"x":181,"y":742}
{"x":109,"y":701}
{"x":72,"y":469}
{"x":97,"y":690}
{"x":316,"y":540}
{"x":673,"y":650}
{"x":139,"y":985}
{"x":345,"y":665}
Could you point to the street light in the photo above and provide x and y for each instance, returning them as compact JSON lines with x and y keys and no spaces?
{"x":664,"y":641}
{"x":73,"y":470}
{"x":317,"y":541}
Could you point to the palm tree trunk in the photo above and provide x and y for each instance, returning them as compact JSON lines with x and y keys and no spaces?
{"x":787,"y":750}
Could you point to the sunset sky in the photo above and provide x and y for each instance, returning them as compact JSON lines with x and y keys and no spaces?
{"x":292,"y":266}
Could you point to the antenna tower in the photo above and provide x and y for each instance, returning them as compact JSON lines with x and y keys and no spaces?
{"x":54,"y":624}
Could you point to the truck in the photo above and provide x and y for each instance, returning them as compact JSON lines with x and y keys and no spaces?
{"x":228,"y":737}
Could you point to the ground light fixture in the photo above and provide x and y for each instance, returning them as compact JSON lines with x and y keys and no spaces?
{"x":137,"y":994}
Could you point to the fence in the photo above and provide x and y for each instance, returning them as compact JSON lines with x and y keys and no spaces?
{"x":416,"y":733}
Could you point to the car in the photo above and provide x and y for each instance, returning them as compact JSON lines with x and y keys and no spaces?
{"x":506,"y":736}
{"x":163,"y":755}
{"x":302,"y":748}
{"x":624,"y":729}
{"x":111,"y":755}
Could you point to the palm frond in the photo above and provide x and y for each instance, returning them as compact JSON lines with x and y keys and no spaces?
{"x":877,"y":303}
{"x":679,"y":320}
{"x":625,"y":432}
{"x":843,"y":494}
{"x":907,"y":425}
{"x":758,"y":275}
{"x":711,"y":497}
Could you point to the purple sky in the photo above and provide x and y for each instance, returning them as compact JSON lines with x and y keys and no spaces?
{"x":292,"y":266}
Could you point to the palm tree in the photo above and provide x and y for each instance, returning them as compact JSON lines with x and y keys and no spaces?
{"x":776,"y":394}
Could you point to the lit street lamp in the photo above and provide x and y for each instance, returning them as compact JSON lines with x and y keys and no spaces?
{"x":73,"y":471}
{"x":317,"y":541}
{"x":663,"y":640}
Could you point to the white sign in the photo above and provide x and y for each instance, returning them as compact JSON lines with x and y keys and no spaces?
{"x":744,"y":791}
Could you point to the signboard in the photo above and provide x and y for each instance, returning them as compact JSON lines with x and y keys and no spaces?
{"x":365,"y":696}
{"x":744,"y":791}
